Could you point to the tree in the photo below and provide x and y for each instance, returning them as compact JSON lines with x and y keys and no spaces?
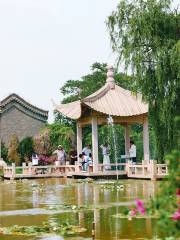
{"x":13,"y":154}
{"x":167,"y":200}
{"x":73,"y":90}
{"x":25,"y":148}
{"x":146,"y":37}
{"x":60,"y":134}
{"x":42,"y":142}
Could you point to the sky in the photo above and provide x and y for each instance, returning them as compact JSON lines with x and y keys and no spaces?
{"x":44,"y":43}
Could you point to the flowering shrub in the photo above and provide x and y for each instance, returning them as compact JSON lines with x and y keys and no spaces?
{"x":42,"y":143}
{"x":45,"y":160}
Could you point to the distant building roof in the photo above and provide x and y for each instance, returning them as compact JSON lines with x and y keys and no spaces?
{"x":16,"y":99}
{"x":110,"y":99}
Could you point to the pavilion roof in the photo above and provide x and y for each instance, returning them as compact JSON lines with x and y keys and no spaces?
{"x":110,"y":99}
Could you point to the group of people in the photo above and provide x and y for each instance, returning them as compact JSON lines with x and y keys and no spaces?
{"x":62,"y":156}
{"x":86,"y":156}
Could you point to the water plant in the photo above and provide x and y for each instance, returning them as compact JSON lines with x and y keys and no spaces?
{"x":50,"y":227}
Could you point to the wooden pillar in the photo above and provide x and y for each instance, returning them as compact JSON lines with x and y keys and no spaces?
{"x":95,"y":143}
{"x":79,"y":139}
{"x":127,"y":139}
{"x":146,"y":139}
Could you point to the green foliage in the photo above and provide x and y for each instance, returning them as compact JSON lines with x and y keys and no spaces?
{"x":167,"y":201}
{"x":13,"y":154}
{"x":60,"y":134}
{"x":78,"y":89}
{"x":4,"y":152}
{"x":53,"y":135}
{"x":145,"y":34}
{"x":25,"y":148}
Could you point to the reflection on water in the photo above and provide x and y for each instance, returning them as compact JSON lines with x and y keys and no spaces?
{"x":28,"y":203}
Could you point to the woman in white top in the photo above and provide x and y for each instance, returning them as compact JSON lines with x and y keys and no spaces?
{"x":132,"y":151}
{"x":87,"y":150}
{"x":61,"y":156}
{"x":106,"y":158}
{"x":35,"y":159}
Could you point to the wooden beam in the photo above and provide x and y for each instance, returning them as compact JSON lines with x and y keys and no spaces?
{"x":102,"y":119}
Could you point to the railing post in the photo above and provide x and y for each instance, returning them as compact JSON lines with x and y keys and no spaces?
{"x":24,"y":168}
{"x":30,"y":168}
{"x":77,"y":167}
{"x":127,"y":169}
{"x":153,"y":169}
{"x":13,"y":172}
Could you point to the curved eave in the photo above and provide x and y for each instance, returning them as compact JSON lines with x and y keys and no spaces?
{"x":117,"y":102}
{"x":70,"y":110}
{"x":16,"y":98}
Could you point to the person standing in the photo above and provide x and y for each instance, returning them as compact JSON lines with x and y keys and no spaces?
{"x":106,"y":158}
{"x":132,"y":151}
{"x":35,"y":159}
{"x":87,"y":150}
{"x":73,"y":156}
{"x":61,"y":155}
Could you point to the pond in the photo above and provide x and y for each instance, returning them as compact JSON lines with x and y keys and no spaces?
{"x":76,"y":202}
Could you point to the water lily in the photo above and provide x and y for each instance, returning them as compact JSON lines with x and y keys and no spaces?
{"x":140,"y":206}
{"x":73,"y":207}
{"x":176,"y":215}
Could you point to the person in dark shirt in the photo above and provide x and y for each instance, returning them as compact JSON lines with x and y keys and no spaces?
{"x":73,"y":156}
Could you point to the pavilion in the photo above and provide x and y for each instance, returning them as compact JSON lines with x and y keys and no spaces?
{"x":111,"y":100}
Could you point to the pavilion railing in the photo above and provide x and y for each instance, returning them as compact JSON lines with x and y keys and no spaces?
{"x":147,"y":169}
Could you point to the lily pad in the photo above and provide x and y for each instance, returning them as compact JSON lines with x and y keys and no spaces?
{"x":51,"y":227}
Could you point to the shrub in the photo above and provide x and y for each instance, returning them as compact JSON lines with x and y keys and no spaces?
{"x":42,"y":143}
{"x":4,"y":152}
{"x":25,"y":148}
{"x":45,"y":160}
{"x":13,"y":154}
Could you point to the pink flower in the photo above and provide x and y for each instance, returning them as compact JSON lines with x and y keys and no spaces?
{"x":133,"y":212}
{"x":140,"y":206}
{"x":176,"y":215}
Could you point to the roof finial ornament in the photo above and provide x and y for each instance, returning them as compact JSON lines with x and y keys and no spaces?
{"x":110,"y":77}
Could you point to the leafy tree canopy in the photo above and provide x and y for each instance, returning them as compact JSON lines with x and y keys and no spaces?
{"x":88,"y":84}
{"x":146,"y":37}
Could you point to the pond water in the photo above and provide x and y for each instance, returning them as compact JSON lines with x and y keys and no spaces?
{"x":31,"y":202}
